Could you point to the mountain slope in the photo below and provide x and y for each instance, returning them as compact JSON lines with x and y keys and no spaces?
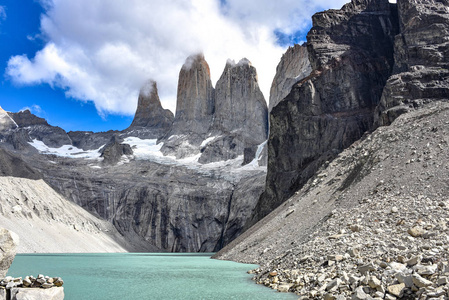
{"x":46,"y":222}
{"x":372,"y":194}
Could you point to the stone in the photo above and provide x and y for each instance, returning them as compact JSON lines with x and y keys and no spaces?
{"x":374,"y":282}
{"x":364,"y":269}
{"x":333,"y":285}
{"x":8,"y":247}
{"x":406,"y":279}
{"x":413,"y":261}
{"x":284,"y":288}
{"x":273,"y":273}
{"x":416,"y":231}
{"x":443,"y":281}
{"x":359,"y":294}
{"x":420,"y":281}
{"x":37,"y":294}
{"x":58,"y":282}
{"x":396,"y":289}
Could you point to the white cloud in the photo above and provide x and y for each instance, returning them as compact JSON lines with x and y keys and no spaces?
{"x":104,"y":50}
{"x":2,"y":12}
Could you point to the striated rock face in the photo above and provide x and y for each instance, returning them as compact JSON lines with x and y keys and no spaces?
{"x":8,"y":247}
{"x":351,"y":53}
{"x":194,"y":108}
{"x":421,"y":59}
{"x":152,"y":120}
{"x":240,"y":113}
{"x":293,"y":67}
{"x":13,"y":165}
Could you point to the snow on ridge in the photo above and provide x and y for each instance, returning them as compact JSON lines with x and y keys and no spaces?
{"x":208,"y":140}
{"x":66,"y":150}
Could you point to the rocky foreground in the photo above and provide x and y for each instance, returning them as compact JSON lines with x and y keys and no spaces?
{"x":373,"y":223}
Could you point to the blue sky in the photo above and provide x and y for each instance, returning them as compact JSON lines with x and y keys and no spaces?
{"x":80,"y":64}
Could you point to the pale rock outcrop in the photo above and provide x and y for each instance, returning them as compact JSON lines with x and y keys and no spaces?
{"x":56,"y":293}
{"x":293,"y":67}
{"x":8,"y":248}
{"x":6,"y":122}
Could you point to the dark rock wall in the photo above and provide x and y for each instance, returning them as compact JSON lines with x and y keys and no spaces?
{"x":351,"y":53}
{"x":421,"y":59}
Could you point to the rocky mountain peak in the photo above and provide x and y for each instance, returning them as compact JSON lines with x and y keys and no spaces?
{"x":241,"y":113}
{"x":195,"y":99}
{"x":25,"y":118}
{"x":195,"y":107}
{"x":149,"y":114}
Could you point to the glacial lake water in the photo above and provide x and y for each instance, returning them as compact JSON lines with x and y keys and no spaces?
{"x":145,"y":276}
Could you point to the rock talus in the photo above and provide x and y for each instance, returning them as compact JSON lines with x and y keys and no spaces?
{"x":351,"y":53}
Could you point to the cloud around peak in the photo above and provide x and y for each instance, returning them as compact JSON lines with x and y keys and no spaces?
{"x":105,"y":50}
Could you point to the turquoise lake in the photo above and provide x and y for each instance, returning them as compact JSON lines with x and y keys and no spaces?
{"x":145,"y":276}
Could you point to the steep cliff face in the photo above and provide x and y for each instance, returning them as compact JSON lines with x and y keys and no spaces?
{"x":240,"y":118}
{"x":150,"y":120}
{"x":293,"y":67}
{"x":351,"y":53}
{"x":159,"y":206}
{"x":194,"y":109}
{"x":421,"y":59}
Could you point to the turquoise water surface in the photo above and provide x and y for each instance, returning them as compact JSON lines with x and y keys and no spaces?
{"x":145,"y":276}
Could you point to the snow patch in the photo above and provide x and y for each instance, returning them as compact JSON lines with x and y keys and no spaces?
{"x":208,"y":140}
{"x":66,"y":150}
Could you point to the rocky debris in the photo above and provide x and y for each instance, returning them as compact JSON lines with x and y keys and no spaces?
{"x":240,"y":112}
{"x":40,"y":281}
{"x":195,"y":107}
{"x":351,"y":53}
{"x":8,"y":247}
{"x":372,"y":224}
{"x":113,"y":151}
{"x":151,"y":121}
{"x":421,"y":59}
{"x":293,"y":67}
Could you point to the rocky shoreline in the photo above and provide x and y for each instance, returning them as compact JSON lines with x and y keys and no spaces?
{"x":379,"y":250}
{"x":30,"y":288}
